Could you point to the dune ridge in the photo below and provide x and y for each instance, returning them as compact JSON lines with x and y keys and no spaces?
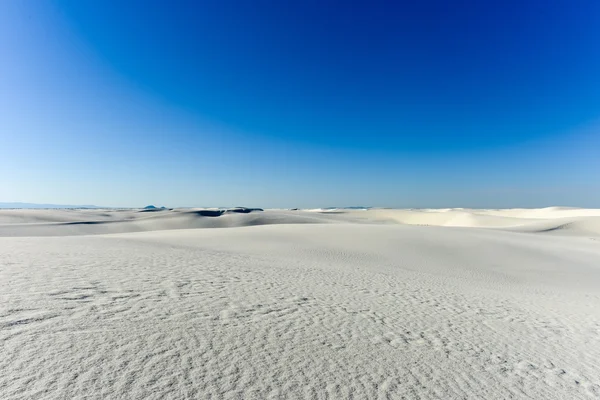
{"x":552,"y":220}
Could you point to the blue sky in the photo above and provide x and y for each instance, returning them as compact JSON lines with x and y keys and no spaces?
{"x":300,"y":104}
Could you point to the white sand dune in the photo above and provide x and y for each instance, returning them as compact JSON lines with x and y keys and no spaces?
{"x":489,"y":304}
{"x":84,"y":222}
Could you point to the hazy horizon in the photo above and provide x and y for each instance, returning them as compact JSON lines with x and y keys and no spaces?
{"x":26,"y":205}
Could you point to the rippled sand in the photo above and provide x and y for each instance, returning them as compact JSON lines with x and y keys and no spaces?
{"x":297,"y":304}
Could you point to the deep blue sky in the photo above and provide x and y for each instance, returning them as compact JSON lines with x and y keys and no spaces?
{"x":308,"y":103}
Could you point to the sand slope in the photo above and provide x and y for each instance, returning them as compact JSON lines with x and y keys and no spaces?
{"x":299,"y":304}
{"x":85,"y":222}
{"x":565,"y":221}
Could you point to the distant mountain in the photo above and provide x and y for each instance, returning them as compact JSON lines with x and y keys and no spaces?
{"x":34,"y":205}
{"x":152,"y":208}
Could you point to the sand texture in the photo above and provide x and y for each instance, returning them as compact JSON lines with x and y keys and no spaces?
{"x":319,"y":304}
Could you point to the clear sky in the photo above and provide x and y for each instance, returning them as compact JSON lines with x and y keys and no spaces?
{"x":300,"y":103}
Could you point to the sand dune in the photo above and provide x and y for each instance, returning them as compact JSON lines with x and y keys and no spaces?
{"x":83,"y":222}
{"x":556,"y":220}
{"x":490,"y":304}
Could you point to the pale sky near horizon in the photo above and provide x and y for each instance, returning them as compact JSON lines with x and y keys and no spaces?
{"x":306,"y":104}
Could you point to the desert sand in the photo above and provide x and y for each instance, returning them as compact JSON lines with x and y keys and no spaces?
{"x":315,"y":304}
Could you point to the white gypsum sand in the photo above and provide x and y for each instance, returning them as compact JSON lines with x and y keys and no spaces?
{"x":491,"y":304}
